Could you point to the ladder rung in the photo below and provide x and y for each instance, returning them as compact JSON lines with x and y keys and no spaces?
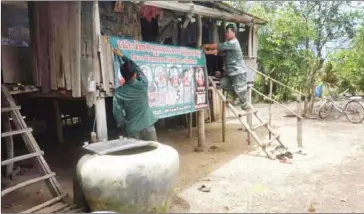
{"x":26,"y":183}
{"x":69,"y":209}
{"x":274,"y":137}
{"x":20,"y":158}
{"x":20,"y":131}
{"x":260,"y":125}
{"x":248,"y":112}
{"x":45,"y":204}
{"x":7,"y":109}
{"x":55,"y":208}
{"x":78,"y":210}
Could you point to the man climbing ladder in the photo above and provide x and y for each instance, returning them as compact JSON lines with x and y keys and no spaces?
{"x":235,"y":82}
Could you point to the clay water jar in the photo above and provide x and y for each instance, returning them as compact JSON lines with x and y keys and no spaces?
{"x":128,"y":176}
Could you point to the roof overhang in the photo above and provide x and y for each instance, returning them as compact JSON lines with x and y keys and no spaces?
{"x":228,"y":8}
{"x":202,"y":10}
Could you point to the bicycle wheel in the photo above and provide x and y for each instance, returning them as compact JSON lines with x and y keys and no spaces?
{"x":325,"y":110}
{"x":354,"y":111}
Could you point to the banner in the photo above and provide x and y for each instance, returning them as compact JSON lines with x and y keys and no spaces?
{"x":177,"y":76}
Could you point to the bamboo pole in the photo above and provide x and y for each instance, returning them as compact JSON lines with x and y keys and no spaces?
{"x":249,"y":117}
{"x":270,"y":105}
{"x":299,"y":125}
{"x":223,"y":120}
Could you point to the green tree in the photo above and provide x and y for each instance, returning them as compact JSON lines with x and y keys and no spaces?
{"x":281,"y":47}
{"x":332,"y":24}
{"x":348,"y":65}
{"x":296,"y":38}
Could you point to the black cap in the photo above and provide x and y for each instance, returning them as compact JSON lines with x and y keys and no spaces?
{"x":126,"y":71}
{"x":232,"y":27}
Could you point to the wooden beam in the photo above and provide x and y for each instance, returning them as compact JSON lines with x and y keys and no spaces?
{"x":100,"y":108}
{"x":200,"y":10}
{"x":201,"y":114}
{"x":58,"y":120}
{"x":190,"y":123}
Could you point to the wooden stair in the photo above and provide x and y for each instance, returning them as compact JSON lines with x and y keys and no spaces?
{"x":275,"y":137}
{"x":57,"y":203}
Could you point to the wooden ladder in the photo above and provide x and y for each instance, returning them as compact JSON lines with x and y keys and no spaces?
{"x":251,"y":129}
{"x":56,"y":204}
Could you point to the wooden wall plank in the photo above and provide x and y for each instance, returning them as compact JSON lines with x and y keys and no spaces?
{"x":16,"y":64}
{"x":53,"y":44}
{"x":105,"y":70}
{"x":43,"y":43}
{"x":97,"y":60}
{"x":75,"y":53}
{"x":61,"y":26}
{"x":250,"y":42}
{"x":87,"y":54}
{"x":110,"y":62}
{"x":33,"y":36}
{"x":65,"y":52}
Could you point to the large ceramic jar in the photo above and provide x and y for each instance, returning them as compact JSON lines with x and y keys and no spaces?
{"x":137,"y":179}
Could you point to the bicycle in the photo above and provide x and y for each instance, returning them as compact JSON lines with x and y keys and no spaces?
{"x":352,"y":106}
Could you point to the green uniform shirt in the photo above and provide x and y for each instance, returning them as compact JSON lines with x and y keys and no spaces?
{"x":233,"y":57}
{"x":130,"y":103}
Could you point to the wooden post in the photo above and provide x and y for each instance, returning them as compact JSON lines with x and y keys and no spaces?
{"x":223,"y":120}
{"x":182,"y":43}
{"x":101,"y":124}
{"x":9,"y":143}
{"x":190,"y":122}
{"x":249,"y":117}
{"x":299,"y":125}
{"x":58,"y":120}
{"x":222,"y":32}
{"x":270,"y":105}
{"x":201,"y":115}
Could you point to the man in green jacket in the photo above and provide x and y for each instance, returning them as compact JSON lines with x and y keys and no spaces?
{"x":235,"y":80}
{"x":130,"y":103}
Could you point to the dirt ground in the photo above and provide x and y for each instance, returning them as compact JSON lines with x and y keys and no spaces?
{"x":328,"y":178}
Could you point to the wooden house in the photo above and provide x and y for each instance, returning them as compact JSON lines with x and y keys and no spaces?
{"x":68,"y":57}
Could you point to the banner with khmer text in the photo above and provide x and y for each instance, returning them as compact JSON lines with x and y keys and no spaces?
{"x":177,"y":76}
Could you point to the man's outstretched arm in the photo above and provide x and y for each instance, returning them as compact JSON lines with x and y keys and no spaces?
{"x":133,"y":66}
{"x":220,"y":47}
{"x":211,"y":52}
{"x":209,"y":46}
